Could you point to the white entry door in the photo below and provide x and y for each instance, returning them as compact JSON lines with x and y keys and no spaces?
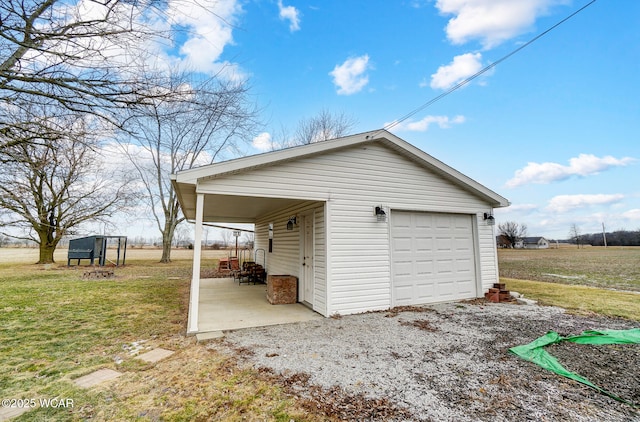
{"x":307,"y":274}
{"x":433,"y":257}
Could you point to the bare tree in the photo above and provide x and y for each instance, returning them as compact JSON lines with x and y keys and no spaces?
{"x":80,"y":56}
{"x":189,"y":129}
{"x":226,"y":237}
{"x":325,"y":125}
{"x":512,"y":231}
{"x":321,"y":127}
{"x":181,"y":236}
{"x":51,"y":186}
{"x":575,"y":235}
{"x":248,"y":239}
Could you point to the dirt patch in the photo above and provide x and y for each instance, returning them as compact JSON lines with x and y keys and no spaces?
{"x":335,"y":402}
{"x":421,"y":324}
{"x":448,"y":363}
{"x":612,"y":367}
{"x":394,"y":312}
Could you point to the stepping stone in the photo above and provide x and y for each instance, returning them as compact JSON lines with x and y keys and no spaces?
{"x":524,"y":301}
{"x":7,"y":413}
{"x":155,"y":355}
{"x":97,"y":377}
{"x":209,"y":335}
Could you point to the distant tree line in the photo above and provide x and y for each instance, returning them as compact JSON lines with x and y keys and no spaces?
{"x":616,"y":238}
{"x":510,"y":232}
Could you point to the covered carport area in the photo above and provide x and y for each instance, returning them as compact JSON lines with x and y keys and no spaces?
{"x":222,"y":304}
{"x":225,"y":305}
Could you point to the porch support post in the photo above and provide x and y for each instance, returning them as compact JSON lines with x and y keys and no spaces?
{"x":195,"y":278}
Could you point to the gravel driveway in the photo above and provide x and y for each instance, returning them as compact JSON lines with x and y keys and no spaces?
{"x":443,"y":362}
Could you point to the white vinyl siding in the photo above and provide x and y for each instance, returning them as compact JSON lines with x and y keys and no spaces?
{"x":353,"y":181}
{"x":488,"y":264}
{"x":285,"y":258}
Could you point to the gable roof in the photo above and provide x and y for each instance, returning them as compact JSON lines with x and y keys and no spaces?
{"x":532,"y":240}
{"x":186,"y":181}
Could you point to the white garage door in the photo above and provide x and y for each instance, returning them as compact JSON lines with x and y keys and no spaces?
{"x":433,"y":257}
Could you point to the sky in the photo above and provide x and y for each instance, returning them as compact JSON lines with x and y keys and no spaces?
{"x":553,"y":128}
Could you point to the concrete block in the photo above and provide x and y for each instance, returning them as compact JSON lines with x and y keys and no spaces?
{"x":523,"y":301}
{"x":209,"y":335}
{"x":282,"y":289}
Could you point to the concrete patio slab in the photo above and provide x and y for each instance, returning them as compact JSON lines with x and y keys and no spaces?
{"x":96,"y":378}
{"x":155,"y":355}
{"x":225,"y":305}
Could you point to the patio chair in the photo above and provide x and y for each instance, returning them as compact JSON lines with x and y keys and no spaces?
{"x":257,"y":274}
{"x":243,"y":275}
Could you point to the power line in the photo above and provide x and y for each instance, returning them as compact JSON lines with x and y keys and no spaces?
{"x":482,"y":71}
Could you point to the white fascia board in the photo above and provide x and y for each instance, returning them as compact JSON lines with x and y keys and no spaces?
{"x":268,"y":158}
{"x":211,"y":171}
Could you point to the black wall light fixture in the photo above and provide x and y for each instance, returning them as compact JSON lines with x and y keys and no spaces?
{"x":380,"y":214}
{"x":489,"y":219}
{"x":292,"y":222}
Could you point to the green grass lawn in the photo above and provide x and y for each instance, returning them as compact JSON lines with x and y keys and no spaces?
{"x":57,"y":326}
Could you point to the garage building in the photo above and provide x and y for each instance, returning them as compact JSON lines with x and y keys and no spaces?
{"x":366,"y":222}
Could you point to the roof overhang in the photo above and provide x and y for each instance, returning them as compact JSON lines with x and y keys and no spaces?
{"x":245,"y":209}
{"x":229,"y":208}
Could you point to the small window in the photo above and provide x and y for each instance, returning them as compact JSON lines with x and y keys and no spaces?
{"x":270,"y":237}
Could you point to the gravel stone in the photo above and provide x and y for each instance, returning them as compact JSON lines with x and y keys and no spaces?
{"x":442,"y":362}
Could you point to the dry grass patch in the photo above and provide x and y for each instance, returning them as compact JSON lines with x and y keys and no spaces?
{"x":580,"y":299}
{"x":197,"y":384}
{"x":613,"y":267}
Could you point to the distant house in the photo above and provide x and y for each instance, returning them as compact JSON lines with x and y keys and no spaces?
{"x":532,"y":243}
{"x":503,"y":242}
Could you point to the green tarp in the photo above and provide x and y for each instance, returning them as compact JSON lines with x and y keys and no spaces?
{"x":535,"y":351}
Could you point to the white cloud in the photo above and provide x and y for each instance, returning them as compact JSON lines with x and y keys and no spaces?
{"x":204,"y":29}
{"x":350,"y":76}
{"x":210,"y":27}
{"x":491,"y":21}
{"x":633,"y":214}
{"x":291,"y":14}
{"x":525,"y":208}
{"x":458,"y":70}
{"x":583,"y":165}
{"x":586,"y":164}
{"x":444,"y":122}
{"x":563,"y":203}
{"x":263,"y":142}
{"x":186,"y":35}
